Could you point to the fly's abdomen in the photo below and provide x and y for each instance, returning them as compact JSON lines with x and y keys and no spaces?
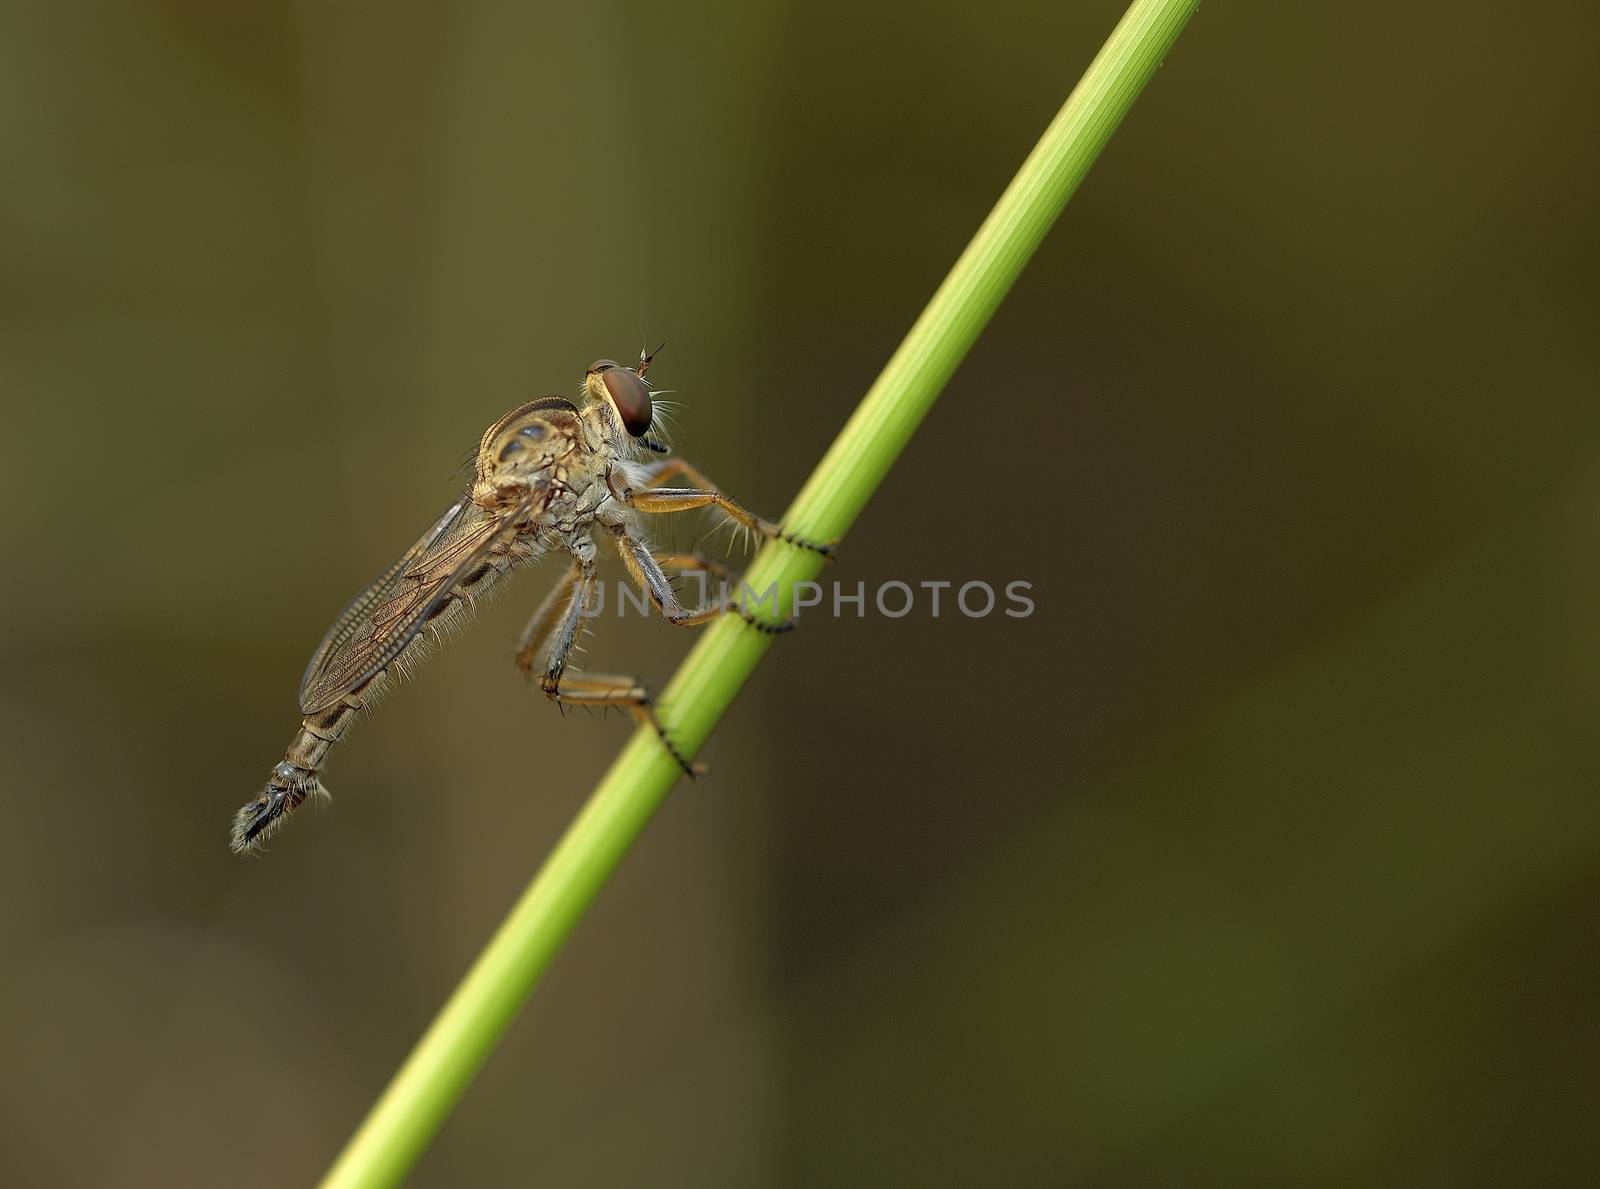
{"x":370,"y":660}
{"x":294,"y":780}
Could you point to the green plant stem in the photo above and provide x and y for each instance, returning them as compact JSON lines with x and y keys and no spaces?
{"x":427,"y":1087}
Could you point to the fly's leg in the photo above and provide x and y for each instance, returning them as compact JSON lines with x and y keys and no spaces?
{"x":671,"y":468}
{"x":550,"y":635}
{"x":659,"y":500}
{"x":537,"y":634}
{"x":692,"y":562}
{"x":657,"y":474}
{"x":604,"y":690}
{"x":724,"y":576}
{"x":647,"y":572}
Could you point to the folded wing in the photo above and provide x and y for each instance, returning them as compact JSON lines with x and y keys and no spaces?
{"x":386,"y":618}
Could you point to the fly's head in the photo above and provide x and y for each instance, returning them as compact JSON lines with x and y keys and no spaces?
{"x":527,"y":449}
{"x":619,"y":397}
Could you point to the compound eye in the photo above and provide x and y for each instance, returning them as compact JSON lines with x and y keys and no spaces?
{"x":601,"y":365}
{"x":631,"y":395}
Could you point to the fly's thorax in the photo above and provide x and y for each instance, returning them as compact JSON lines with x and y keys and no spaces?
{"x":534,"y":445}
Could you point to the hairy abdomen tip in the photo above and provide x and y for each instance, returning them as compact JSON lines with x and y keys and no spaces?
{"x":256,"y":821}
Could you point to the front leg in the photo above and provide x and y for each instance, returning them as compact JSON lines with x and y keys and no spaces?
{"x":657,"y":473}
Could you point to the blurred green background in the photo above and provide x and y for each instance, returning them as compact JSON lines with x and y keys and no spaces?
{"x":1266,"y":852}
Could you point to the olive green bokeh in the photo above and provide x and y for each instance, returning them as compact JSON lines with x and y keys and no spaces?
{"x":1265,"y":852}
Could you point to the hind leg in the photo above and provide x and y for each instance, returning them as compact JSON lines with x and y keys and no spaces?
{"x":547,"y":644}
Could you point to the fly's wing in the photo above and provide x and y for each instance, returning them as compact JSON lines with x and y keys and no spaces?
{"x":353,"y":617}
{"x":386,"y":617}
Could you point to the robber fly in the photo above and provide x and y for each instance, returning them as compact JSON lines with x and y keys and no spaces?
{"x":551,"y":476}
